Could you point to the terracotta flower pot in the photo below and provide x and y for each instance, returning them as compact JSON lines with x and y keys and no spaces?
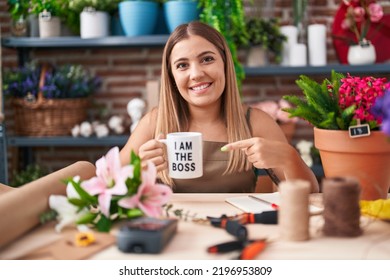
{"x":365,"y":158}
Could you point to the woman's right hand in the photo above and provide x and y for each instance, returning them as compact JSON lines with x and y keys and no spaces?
{"x":153,"y":150}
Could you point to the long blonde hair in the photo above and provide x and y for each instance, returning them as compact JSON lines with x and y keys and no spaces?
{"x":173,"y":112}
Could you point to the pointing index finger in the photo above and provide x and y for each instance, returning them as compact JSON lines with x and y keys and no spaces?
{"x":242,"y":144}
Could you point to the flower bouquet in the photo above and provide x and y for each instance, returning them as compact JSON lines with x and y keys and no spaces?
{"x":359,"y":25}
{"x":115,"y":193}
{"x":346,"y":131}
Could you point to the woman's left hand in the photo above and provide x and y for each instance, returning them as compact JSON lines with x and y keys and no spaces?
{"x":261,"y":152}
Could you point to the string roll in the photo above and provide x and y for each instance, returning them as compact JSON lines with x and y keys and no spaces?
{"x":293,"y":214}
{"x":341,"y":207}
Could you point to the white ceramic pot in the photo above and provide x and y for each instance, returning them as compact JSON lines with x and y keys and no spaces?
{"x":94,"y":24}
{"x":257,"y":56}
{"x":363,"y":53}
{"x":49,"y":26}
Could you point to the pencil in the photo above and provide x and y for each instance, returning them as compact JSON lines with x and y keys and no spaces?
{"x":273,"y":205}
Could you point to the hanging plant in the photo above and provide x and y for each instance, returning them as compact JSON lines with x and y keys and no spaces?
{"x":228,"y":18}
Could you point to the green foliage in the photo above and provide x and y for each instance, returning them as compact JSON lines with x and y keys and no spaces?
{"x":18,"y":8}
{"x":299,"y":8}
{"x":228,"y":18}
{"x":39,"y":6}
{"x":266,"y":32}
{"x":320,"y":105}
{"x":31,"y":173}
{"x":78,"y":6}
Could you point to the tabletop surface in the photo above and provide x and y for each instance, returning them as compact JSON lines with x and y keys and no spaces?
{"x":192,"y":239}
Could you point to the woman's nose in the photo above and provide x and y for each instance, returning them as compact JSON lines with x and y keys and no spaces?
{"x":196,"y":72}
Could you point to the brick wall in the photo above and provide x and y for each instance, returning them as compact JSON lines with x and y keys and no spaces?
{"x":126,"y":71}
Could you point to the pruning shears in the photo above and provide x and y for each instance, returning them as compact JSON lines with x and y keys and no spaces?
{"x":235,"y":225}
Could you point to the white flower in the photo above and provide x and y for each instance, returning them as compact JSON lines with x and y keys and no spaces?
{"x":101,"y":130}
{"x":116,"y":124}
{"x":86,"y":129}
{"x":75,"y":131}
{"x":304,"y":148}
{"x":68,"y":214}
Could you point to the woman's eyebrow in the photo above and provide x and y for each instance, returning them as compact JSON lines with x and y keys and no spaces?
{"x":199,"y":55}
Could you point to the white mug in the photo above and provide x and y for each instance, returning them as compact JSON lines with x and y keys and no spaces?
{"x":185,"y":154}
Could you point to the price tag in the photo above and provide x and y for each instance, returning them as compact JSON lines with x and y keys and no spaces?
{"x":359,"y":130}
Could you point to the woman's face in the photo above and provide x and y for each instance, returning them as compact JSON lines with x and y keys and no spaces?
{"x":198,"y":70}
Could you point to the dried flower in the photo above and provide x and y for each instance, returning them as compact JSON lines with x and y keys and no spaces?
{"x":275,"y":110}
{"x":67,"y":81}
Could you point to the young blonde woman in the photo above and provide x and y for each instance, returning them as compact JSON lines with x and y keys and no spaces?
{"x":199,"y":93}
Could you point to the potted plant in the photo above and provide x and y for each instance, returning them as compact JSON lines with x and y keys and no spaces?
{"x":264,"y":38}
{"x":345,"y":130}
{"x":355,"y":31}
{"x":177,"y":12}
{"x":94,"y":16}
{"x":228,"y":18}
{"x":48,"y":12}
{"x":18,"y":10}
{"x":49,"y":101}
{"x":132,"y":15}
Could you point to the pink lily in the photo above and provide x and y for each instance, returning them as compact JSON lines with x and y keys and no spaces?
{"x":110,"y":179}
{"x":150,"y":196}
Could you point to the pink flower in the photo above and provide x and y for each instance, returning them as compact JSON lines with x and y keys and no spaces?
{"x":376,"y":12}
{"x":268,"y":106}
{"x":150,"y":196}
{"x":359,"y":15}
{"x":110,"y":179}
{"x":361,"y":92}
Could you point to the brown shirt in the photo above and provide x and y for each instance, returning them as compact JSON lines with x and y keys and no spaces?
{"x":213,"y":180}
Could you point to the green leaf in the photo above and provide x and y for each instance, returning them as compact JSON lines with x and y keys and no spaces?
{"x":104,"y":224}
{"x":319,"y":104}
{"x":82,"y":193}
{"x":134,"y":213}
{"x":87,"y":218}
{"x":78,"y":202}
{"x":135,"y":160}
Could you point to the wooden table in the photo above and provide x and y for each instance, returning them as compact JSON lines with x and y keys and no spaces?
{"x":192,"y":239}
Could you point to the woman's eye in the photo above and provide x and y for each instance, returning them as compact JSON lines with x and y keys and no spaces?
{"x":181,"y":65}
{"x":208,"y":59}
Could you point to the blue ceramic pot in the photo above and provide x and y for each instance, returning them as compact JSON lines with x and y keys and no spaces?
{"x":138,"y":17}
{"x":179,"y":12}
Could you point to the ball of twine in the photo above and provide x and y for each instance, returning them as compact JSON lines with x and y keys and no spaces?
{"x":293,"y":214}
{"x":341,"y":207}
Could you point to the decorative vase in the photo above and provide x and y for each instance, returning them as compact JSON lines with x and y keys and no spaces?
{"x":365,"y":158}
{"x":257,"y":56}
{"x":179,"y":12}
{"x":94,"y":24}
{"x":363,"y":53}
{"x":138,"y":17}
{"x":19,"y":27}
{"x":33,"y":25}
{"x":49,"y":26}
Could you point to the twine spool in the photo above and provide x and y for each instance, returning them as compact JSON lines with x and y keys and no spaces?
{"x":293,"y":214}
{"x":341,"y":207}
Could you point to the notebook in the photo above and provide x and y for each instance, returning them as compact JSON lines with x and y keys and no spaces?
{"x":249,"y":203}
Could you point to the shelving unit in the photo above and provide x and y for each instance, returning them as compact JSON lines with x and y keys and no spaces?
{"x":24,"y":45}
